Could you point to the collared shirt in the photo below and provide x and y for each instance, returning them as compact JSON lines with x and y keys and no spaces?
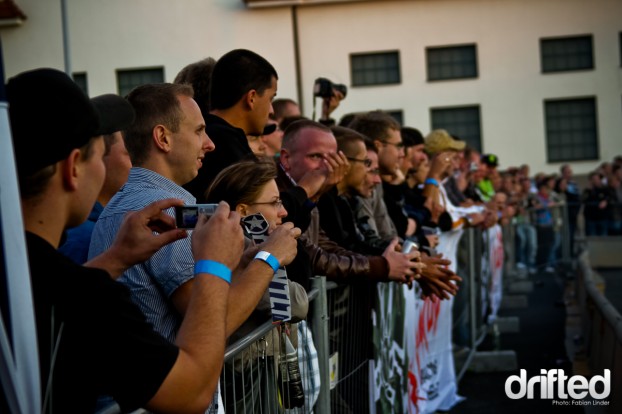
{"x":152,"y":282}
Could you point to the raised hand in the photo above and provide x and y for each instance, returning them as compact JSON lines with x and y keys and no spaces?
{"x":281,"y":243}
{"x":318,"y":181}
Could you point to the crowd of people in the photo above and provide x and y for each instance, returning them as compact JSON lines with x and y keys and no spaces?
{"x":133,"y":309}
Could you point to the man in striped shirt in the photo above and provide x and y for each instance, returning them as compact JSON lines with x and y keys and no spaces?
{"x":167,"y":144}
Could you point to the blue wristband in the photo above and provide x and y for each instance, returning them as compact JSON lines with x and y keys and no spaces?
{"x":269,"y":259}
{"x":213,"y":268}
{"x":431,"y":181}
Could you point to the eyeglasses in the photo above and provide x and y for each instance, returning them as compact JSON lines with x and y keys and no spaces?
{"x":276,"y":203}
{"x":375,"y":171}
{"x":398,"y":146}
{"x":366,"y":162}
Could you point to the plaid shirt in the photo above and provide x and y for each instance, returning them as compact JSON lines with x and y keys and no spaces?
{"x":309,"y":369}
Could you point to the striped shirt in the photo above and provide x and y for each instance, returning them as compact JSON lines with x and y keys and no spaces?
{"x":152,"y":282}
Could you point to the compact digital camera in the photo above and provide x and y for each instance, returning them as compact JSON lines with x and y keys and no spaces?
{"x":186,"y":216}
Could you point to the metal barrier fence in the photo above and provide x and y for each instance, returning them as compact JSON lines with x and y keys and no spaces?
{"x":270,"y":370}
{"x":602,"y":331}
{"x":470,"y":322}
{"x":335,"y":370}
{"x":340,"y":328}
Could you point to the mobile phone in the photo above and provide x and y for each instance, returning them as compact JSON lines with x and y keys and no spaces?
{"x":408,"y":246}
{"x":186,"y":216}
{"x":430,"y":230}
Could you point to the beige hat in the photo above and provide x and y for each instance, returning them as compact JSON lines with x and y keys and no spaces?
{"x":439,"y":140}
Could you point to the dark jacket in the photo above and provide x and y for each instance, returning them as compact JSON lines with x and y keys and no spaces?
{"x":331,"y":260}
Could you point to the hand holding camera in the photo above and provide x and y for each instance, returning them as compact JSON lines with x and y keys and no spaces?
{"x":331,"y":94}
{"x":187,"y":216}
{"x":208,"y":236}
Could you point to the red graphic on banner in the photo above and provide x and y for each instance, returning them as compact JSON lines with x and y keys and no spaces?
{"x":428,"y":320}
{"x":428,"y":323}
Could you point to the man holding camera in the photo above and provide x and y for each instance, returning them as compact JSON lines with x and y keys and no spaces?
{"x":332,"y":94}
{"x":167,"y":144}
{"x":92,"y":338}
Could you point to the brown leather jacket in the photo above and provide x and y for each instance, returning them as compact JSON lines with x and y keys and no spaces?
{"x":337,"y":263}
{"x":330,"y":259}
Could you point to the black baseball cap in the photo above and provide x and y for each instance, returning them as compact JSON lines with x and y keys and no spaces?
{"x":50,"y":116}
{"x":115,"y":113}
{"x":490,"y":160}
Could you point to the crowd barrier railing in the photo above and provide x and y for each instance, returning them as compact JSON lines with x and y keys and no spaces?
{"x":268,"y":370}
{"x":601,"y":326}
{"x":339,"y":326}
{"x":340,"y":322}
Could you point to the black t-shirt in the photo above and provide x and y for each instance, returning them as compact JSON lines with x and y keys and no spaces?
{"x":105,"y":346}
{"x":231,"y":146}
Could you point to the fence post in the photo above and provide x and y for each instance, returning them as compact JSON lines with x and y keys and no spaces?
{"x":566,"y":253}
{"x":472,"y":287}
{"x":319,"y":326}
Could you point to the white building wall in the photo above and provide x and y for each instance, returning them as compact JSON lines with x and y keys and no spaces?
{"x":122,"y":34}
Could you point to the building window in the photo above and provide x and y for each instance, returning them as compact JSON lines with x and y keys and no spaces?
{"x":567,"y":53}
{"x":398,"y":115}
{"x":451,"y":62}
{"x":128,"y":79}
{"x":80,"y":79}
{"x":375,"y":68}
{"x":462,"y":122}
{"x":571,"y":132}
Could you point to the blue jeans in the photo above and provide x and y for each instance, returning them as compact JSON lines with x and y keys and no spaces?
{"x":596,"y":227}
{"x":527,"y":244}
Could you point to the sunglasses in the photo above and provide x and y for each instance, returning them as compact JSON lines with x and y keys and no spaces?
{"x":366,"y":162}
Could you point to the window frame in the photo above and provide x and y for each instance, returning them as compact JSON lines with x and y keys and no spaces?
{"x":464,"y":137}
{"x":547,"y":130}
{"x":84,"y":86}
{"x":353,"y":56}
{"x":430,"y":49}
{"x":545,"y":71}
{"x":123,"y":71}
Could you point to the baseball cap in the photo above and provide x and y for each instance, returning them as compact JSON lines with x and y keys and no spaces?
{"x":50,"y":116}
{"x":439,"y":140}
{"x":490,"y":160}
{"x":411,"y":137}
{"x":115,"y":113}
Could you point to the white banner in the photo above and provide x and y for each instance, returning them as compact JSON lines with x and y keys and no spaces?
{"x":432,"y":376}
{"x":496,"y":254}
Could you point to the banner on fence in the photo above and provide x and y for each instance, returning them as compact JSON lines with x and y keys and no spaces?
{"x":432,"y":384}
{"x":389,"y":385}
{"x":256,"y":228}
{"x":496,"y":254}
